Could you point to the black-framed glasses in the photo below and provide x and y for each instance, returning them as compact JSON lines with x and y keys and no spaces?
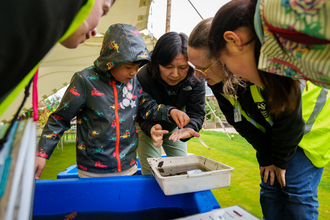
{"x":201,"y":71}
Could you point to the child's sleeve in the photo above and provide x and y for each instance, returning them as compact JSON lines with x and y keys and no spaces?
{"x":149,"y":109}
{"x":145,"y":125}
{"x":59,"y":121}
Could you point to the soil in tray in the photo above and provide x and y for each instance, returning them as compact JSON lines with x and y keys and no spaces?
{"x":180,"y":169}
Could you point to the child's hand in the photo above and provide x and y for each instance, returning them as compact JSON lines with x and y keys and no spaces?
{"x":180,"y":117}
{"x":157,"y":135}
{"x":183,"y":133}
{"x":40,"y":164}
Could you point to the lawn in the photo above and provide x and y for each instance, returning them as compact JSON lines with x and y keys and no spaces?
{"x":237,"y":153}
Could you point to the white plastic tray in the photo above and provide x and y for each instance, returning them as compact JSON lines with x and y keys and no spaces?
{"x":171,"y":174}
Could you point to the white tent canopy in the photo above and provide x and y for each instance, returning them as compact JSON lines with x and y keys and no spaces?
{"x":59,"y":65}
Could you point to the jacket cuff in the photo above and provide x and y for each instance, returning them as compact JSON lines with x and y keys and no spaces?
{"x":169,"y":114}
{"x":263,"y":161}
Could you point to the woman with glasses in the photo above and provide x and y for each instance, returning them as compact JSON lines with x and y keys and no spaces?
{"x":278,"y":107}
{"x":250,"y":102}
{"x":170,"y":80}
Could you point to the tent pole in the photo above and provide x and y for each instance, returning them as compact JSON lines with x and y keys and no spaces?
{"x":217,"y":117}
{"x":168,"y":17}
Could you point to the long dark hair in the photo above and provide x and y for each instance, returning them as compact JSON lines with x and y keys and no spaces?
{"x":168,"y":46}
{"x":240,"y":13}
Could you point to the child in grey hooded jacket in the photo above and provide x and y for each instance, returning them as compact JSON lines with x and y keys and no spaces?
{"x":106,"y":98}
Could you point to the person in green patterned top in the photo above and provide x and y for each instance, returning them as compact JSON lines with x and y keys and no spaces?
{"x":288,"y":191}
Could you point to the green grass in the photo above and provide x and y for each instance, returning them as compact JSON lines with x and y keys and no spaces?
{"x":244,"y":186}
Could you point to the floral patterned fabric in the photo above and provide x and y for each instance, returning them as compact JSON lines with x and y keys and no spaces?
{"x":285,"y":25}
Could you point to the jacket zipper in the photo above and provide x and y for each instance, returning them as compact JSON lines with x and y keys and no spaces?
{"x":117,"y":125}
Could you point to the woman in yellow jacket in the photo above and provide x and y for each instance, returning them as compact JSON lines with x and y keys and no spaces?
{"x":296,"y":196}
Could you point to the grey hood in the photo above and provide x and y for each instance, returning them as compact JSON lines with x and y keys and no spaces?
{"x":125,"y":46}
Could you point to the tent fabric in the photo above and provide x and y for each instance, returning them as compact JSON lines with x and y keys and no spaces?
{"x":59,"y":65}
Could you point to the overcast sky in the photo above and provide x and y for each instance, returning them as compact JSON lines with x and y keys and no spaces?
{"x":183,"y":16}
